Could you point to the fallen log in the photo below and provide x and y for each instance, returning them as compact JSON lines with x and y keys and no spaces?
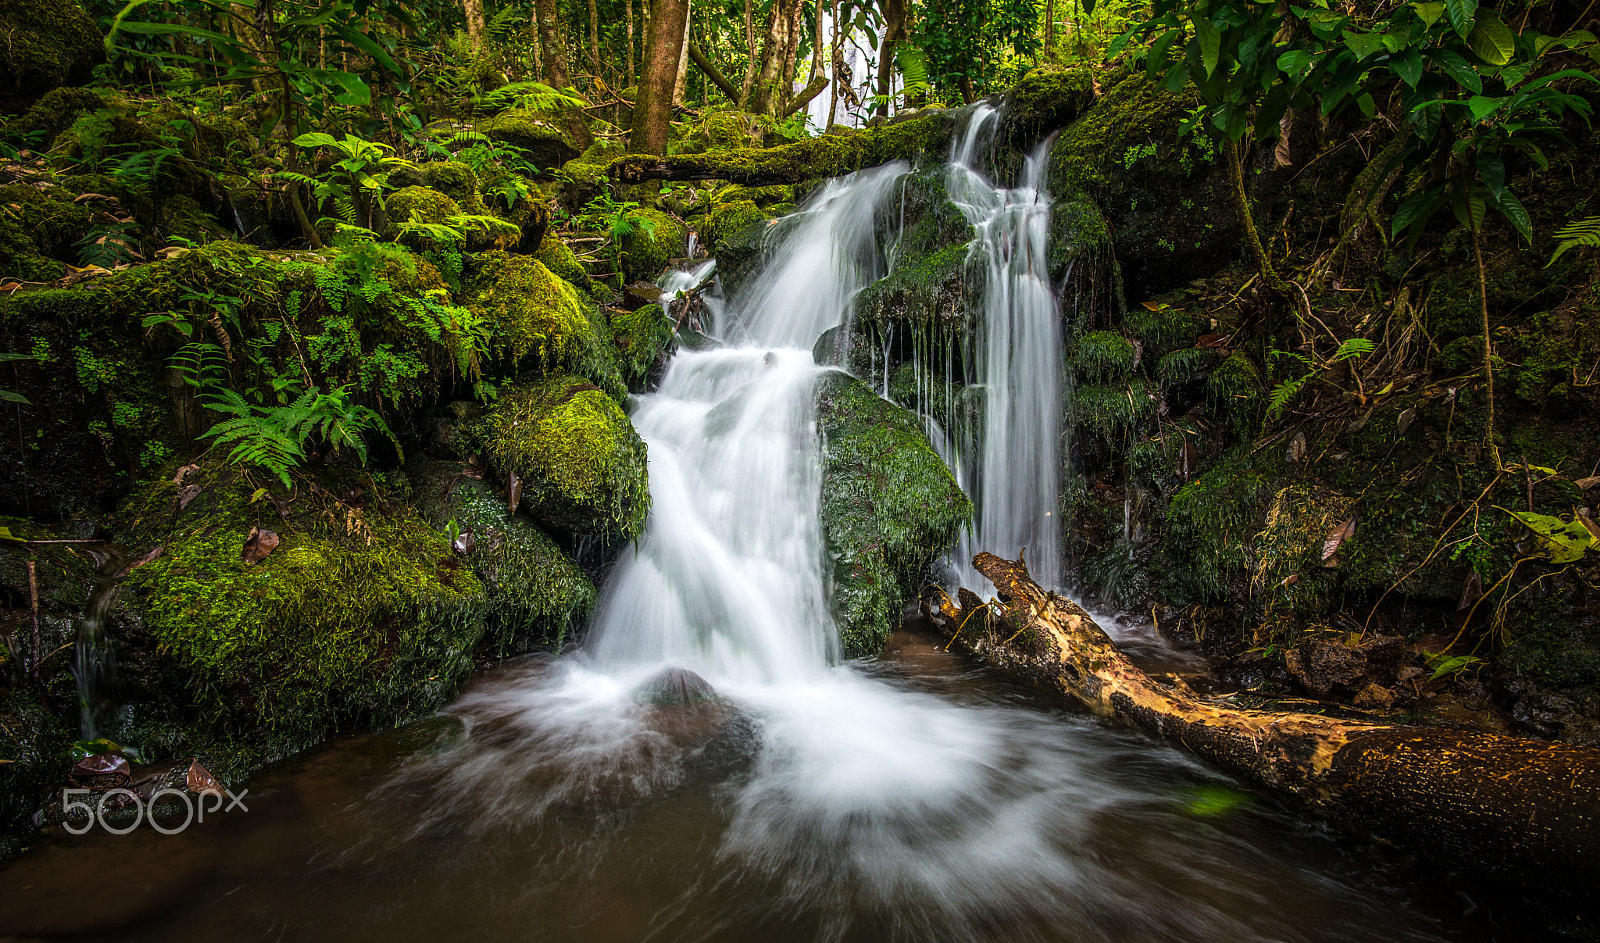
{"x":828,"y":155}
{"x":1524,"y":811}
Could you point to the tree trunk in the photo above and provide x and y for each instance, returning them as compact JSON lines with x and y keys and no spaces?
{"x":681,"y":81}
{"x":752,"y":62}
{"x":1050,"y":30}
{"x":652,"y":111}
{"x":475,"y":27}
{"x":554,"y":40}
{"x":594,"y":41}
{"x":629,"y":7}
{"x":776,"y":58}
{"x":1502,"y":807}
{"x":833,"y":65}
{"x":894,"y":28}
{"x":1488,"y":354}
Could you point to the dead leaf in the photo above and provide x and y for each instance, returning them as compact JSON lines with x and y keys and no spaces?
{"x":1290,"y":580}
{"x":1406,"y":418}
{"x":513,"y":492}
{"x":1357,"y":425}
{"x":183,"y":473}
{"x":10,"y":285}
{"x":1583,"y":515}
{"x":1189,"y":460}
{"x":199,"y":780}
{"x":464,"y":543}
{"x":1213,"y":341}
{"x":1296,"y":452}
{"x":188,"y":493}
{"x":1471,"y":592}
{"x":1584,"y":484}
{"x":101,"y":764}
{"x":258,"y":546}
{"x":646,"y":291}
{"x":1336,"y":537}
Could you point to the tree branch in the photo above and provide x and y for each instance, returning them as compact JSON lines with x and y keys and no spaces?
{"x":717,"y":78}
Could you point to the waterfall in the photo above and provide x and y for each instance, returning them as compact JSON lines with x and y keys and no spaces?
{"x":1012,"y":473}
{"x":728,"y":579}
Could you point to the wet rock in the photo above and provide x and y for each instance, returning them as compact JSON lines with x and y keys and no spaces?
{"x":676,"y":686}
{"x":646,"y":251}
{"x":645,"y":343}
{"x":1330,"y":668}
{"x":1374,"y":697}
{"x":543,"y":321}
{"x":889,"y":507}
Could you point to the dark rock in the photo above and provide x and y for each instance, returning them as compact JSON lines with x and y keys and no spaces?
{"x":673,"y":687}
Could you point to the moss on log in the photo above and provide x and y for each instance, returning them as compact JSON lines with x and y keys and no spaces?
{"x":1526,"y":811}
{"x":826,"y":156}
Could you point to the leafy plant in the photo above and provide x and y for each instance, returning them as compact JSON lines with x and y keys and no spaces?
{"x":1284,"y":393}
{"x":6,"y":395}
{"x":1443,"y":664}
{"x":618,"y":220}
{"x":276,"y":437}
{"x":1580,"y":233}
{"x":356,"y":181}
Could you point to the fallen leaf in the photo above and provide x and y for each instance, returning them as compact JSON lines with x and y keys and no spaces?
{"x":1583,"y":515}
{"x":188,"y":493}
{"x":1290,"y":580}
{"x":199,"y":780}
{"x":464,"y":543}
{"x":150,"y":556}
{"x":1565,"y":541}
{"x":1406,"y":418}
{"x":183,"y":473}
{"x":258,"y":546}
{"x":1213,"y":341}
{"x":513,"y":492}
{"x":1296,"y":452}
{"x":647,"y":291}
{"x":1356,"y":425}
{"x":1584,"y":484}
{"x":101,"y":764}
{"x":1338,"y":536}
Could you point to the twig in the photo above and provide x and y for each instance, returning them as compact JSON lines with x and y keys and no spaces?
{"x":33,"y":606}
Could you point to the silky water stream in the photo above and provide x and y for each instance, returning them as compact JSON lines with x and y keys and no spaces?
{"x":603,"y":795}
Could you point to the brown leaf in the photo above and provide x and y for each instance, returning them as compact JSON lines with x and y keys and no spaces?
{"x":1336,"y":537}
{"x":200,"y":780}
{"x":1471,"y":591}
{"x":1405,"y":420}
{"x":1588,"y":521}
{"x":1213,"y":341}
{"x":1583,"y":483}
{"x":101,"y":764}
{"x":1189,"y":460}
{"x":513,"y":492}
{"x":1356,"y":425}
{"x":1290,"y":580}
{"x":258,"y":546}
{"x":183,"y":473}
{"x":188,"y":493}
{"x":474,"y":467}
{"x":464,"y":543}
{"x":646,"y":291}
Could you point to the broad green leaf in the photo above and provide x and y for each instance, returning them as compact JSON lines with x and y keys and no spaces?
{"x":11,"y":397}
{"x":316,"y":139}
{"x":1565,"y":542}
{"x":1295,"y":62}
{"x":1363,"y":44}
{"x":1482,"y":107}
{"x":1458,"y":68}
{"x":1409,"y":67}
{"x":1512,"y":209}
{"x":1418,"y":206}
{"x":1429,"y":13}
{"x":1426,"y":118}
{"x":1461,"y":14}
{"x":1492,"y":39}
{"x":7,"y":358}
{"x":1210,"y":39}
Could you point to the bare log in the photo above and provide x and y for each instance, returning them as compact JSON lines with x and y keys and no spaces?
{"x":1526,"y":811}
{"x":826,"y":156}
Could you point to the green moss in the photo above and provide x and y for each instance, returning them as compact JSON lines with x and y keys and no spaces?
{"x":48,"y":43}
{"x":642,"y":337}
{"x":1113,"y":411}
{"x":537,"y":315}
{"x":559,"y":258}
{"x":889,"y":508}
{"x":1209,"y":525}
{"x":646,"y":254}
{"x":361,"y":615}
{"x":581,"y":464}
{"x":39,"y":230}
{"x":54,"y":113}
{"x":1102,"y":356}
{"x":420,"y":204}
{"x":720,"y":129}
{"x":535,"y":595}
{"x":930,"y":291}
{"x":1234,"y":392}
{"x":728,"y":220}
{"x":542,"y":139}
{"x":588,"y":170}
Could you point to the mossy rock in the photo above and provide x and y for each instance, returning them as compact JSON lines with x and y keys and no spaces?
{"x":644,"y":343}
{"x":555,"y":255}
{"x":930,"y":291}
{"x":889,"y":508}
{"x":34,"y":761}
{"x":720,"y":129}
{"x":455,"y":179}
{"x":361,"y":615}
{"x":48,"y":43}
{"x":417,"y":205}
{"x":580,"y":462}
{"x":39,"y":231}
{"x":645,"y":254}
{"x":541,"y":317}
{"x":1210,"y":522}
{"x":543,"y":139}
{"x":1101,"y":356}
{"x":1046,"y":99}
{"x":53,"y":113}
{"x":729,"y":220}
{"x":850,"y":351}
{"x":585,"y":175}
{"x":1166,"y":195}
{"x":535,"y":595}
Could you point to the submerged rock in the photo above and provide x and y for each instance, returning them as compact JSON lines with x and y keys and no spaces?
{"x":889,"y":507}
{"x":579,"y":460}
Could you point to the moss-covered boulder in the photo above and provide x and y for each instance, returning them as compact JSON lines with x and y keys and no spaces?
{"x":647,"y":249}
{"x":580,"y":463}
{"x":644,"y":342}
{"x":720,"y":129}
{"x":48,"y":43}
{"x":889,"y":508}
{"x":544,"y":139}
{"x":1165,"y":194}
{"x":930,"y":291}
{"x":40,"y":231}
{"x":545,"y":319}
{"x":729,"y":220}
{"x":558,"y":257}
{"x":53,"y":113}
{"x":417,"y":206}
{"x":585,"y":175}
{"x":535,"y":595}
{"x":360,"y":614}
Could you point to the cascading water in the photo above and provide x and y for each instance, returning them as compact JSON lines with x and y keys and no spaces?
{"x":1013,"y":477}
{"x":579,"y":798}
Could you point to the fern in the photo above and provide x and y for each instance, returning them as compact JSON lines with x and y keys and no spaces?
{"x":1583,"y":233}
{"x":275,"y":437}
{"x":531,"y":96}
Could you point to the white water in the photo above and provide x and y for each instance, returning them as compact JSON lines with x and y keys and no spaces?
{"x":1014,"y":476}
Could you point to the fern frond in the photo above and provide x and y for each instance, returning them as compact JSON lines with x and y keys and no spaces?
{"x":1580,"y":233}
